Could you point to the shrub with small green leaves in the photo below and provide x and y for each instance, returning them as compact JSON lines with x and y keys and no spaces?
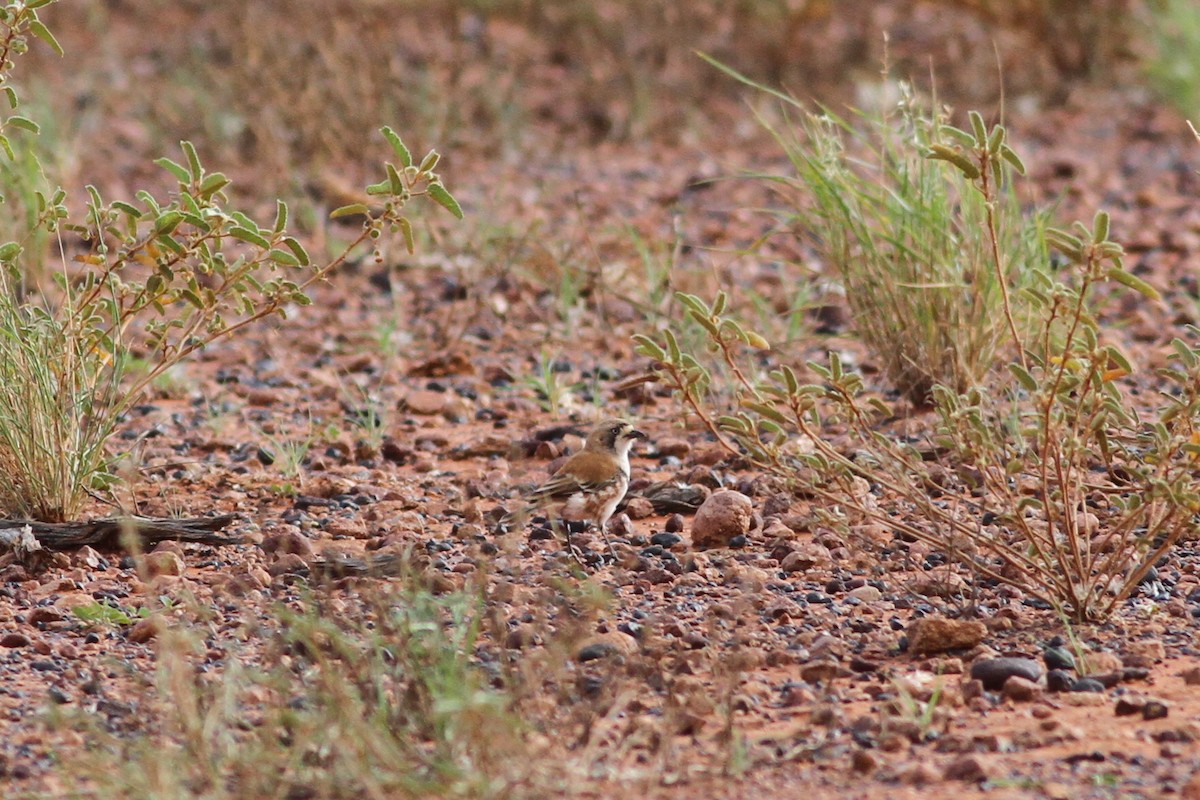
{"x":1042,"y":475}
{"x":1007,"y":483}
{"x":157,"y":281}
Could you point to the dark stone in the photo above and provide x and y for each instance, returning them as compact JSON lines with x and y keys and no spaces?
{"x":1058,"y":658}
{"x":1059,"y":680}
{"x":993,"y":672}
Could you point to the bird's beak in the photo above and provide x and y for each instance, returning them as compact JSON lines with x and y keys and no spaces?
{"x":636,"y":434}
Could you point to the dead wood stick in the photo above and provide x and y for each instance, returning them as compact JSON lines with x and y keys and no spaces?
{"x":107,"y":532}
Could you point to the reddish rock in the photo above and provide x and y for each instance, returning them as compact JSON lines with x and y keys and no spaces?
{"x":937,"y":635}
{"x":724,"y":515}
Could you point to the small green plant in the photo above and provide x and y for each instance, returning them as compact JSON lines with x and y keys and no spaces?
{"x":551,"y":390}
{"x":387,"y":702}
{"x":369,"y":416}
{"x":1175,"y":35}
{"x":159,"y":281}
{"x":921,"y":714}
{"x":287,"y":453}
{"x":105,"y":614}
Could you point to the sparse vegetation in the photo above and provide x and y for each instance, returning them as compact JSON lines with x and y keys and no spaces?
{"x":935,"y":403}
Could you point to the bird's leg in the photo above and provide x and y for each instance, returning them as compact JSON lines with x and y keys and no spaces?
{"x":604,"y":534}
{"x":571,"y":548}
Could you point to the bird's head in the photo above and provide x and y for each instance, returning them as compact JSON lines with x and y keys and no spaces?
{"x":613,"y":436}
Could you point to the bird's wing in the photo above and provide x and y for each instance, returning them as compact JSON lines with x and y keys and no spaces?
{"x":582,"y":472}
{"x":559,"y":487}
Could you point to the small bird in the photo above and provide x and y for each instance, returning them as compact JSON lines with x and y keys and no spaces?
{"x":589,"y":484}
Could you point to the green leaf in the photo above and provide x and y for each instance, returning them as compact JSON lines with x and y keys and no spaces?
{"x":757,"y":341}
{"x":24,"y":123}
{"x":171,"y":243}
{"x":430,"y":161}
{"x":351,"y":210}
{"x":7,"y":147}
{"x":1133,"y":282}
{"x":648,"y":347}
{"x":297,"y":250}
{"x":126,"y":208}
{"x":978,"y":126}
{"x":192,"y":298}
{"x":407,"y":231}
{"x":281,"y":216}
{"x":402,"y":152}
{"x":941,"y":152}
{"x":996,"y":140}
{"x":175,"y":169}
{"x":1014,"y":160}
{"x":395,"y":184}
{"x":213,"y":184}
{"x":42,"y":32}
{"x":443,"y":198}
{"x":1186,"y":354}
{"x":283,"y":257}
{"x":719,"y":302}
{"x":167,"y":223}
{"x":672,"y":346}
{"x":692,"y":302}
{"x":770,"y":412}
{"x":1100,"y":227}
{"x":705,"y":323}
{"x":189,"y":150}
{"x":249,"y":236}
{"x":11,"y":94}
{"x":9,"y":251}
{"x":1024,"y":377}
{"x":1117,"y":357}
{"x":959,"y":136}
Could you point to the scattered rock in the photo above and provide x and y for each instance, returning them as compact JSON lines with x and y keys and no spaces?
{"x":639,"y":508}
{"x":939,"y":584}
{"x":671,"y":497}
{"x":425,"y":402}
{"x":14,"y":640}
{"x":1144,"y":654}
{"x":671,"y":446}
{"x":969,"y":769}
{"x":1099,"y":663}
{"x":993,"y":672}
{"x":809,"y":555}
{"x":146,"y":629}
{"x":45,"y":615}
{"x":164,"y":562}
{"x":1087,"y":685}
{"x":1021,"y":690}
{"x":867,"y":594}
{"x":864,"y":761}
{"x":725,"y":515}
{"x":1155,"y":709}
{"x":937,"y":635}
{"x":1059,"y":680}
{"x":290,"y":541}
{"x":606,"y":644}
{"x":1058,"y":658}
